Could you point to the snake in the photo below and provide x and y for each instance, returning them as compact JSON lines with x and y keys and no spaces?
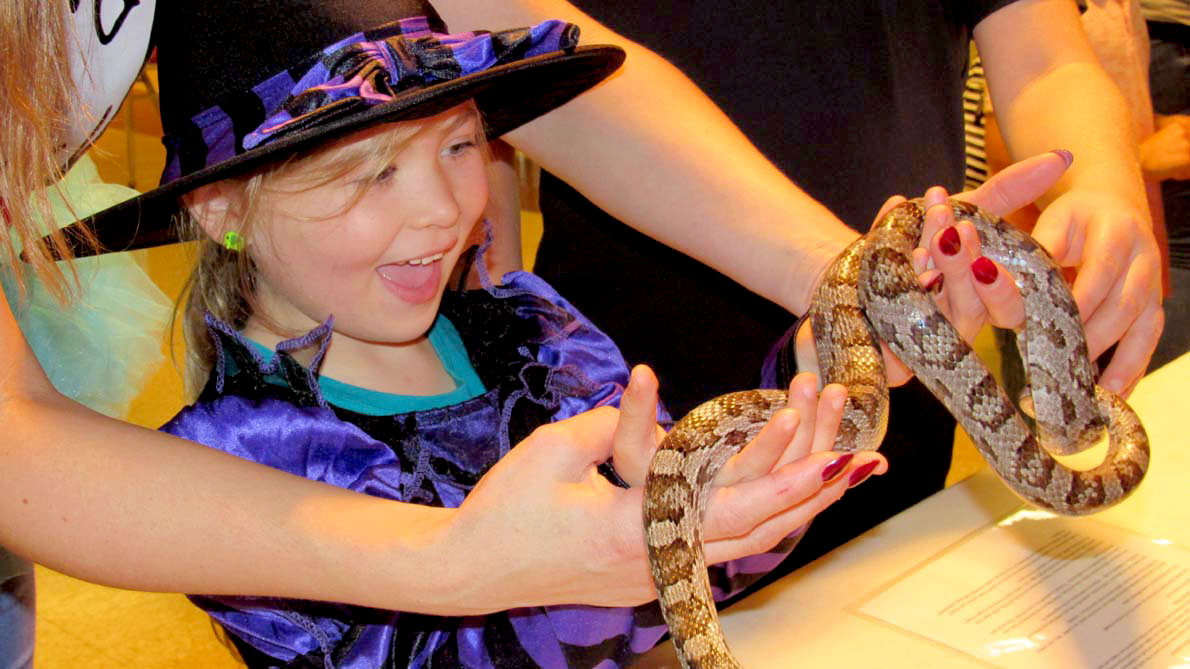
{"x":870,"y":293}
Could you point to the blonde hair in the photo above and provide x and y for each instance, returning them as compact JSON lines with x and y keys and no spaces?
{"x":37,"y":97}
{"x":223,"y":282}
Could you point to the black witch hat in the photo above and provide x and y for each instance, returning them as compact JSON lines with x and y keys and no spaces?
{"x":244,"y":82}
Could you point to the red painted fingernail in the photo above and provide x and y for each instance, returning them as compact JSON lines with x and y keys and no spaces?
{"x":984,"y":270}
{"x":861,"y":473}
{"x":1066,"y":155}
{"x":935,"y":285}
{"x":836,"y":467}
{"x":949,"y":241}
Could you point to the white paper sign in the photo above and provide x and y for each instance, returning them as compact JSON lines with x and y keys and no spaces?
{"x":1039,"y":591}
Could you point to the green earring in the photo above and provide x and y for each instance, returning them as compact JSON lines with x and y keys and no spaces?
{"x":233,"y":241}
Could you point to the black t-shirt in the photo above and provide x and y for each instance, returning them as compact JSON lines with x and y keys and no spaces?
{"x":855,"y":101}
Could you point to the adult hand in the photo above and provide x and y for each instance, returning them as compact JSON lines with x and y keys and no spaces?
{"x":1165,"y":154}
{"x":544,"y":527}
{"x":970,"y":289}
{"x":808,"y":424}
{"x":1109,"y":240}
{"x":777,"y":483}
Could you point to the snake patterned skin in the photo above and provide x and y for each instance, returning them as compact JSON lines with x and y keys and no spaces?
{"x":871,"y":291}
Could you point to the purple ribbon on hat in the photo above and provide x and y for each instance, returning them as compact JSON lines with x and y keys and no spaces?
{"x":365,"y":70}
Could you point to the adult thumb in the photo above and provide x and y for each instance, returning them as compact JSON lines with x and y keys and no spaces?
{"x":637,"y":433}
{"x":1021,"y":183}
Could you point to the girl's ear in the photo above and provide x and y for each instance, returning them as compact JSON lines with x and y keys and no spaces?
{"x":214,"y":207}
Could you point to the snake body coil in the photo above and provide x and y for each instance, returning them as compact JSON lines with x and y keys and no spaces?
{"x":871,"y":291}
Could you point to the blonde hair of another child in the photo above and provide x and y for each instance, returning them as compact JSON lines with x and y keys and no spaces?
{"x":37,"y":100}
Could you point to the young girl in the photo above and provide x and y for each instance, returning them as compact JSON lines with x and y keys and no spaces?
{"x":331,"y":323}
{"x":357,"y":360}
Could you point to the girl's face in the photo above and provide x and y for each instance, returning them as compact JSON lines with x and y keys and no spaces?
{"x":379,"y":265}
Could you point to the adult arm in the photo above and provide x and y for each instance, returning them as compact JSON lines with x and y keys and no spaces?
{"x":1119,"y":36}
{"x":129,"y":507}
{"x":649,"y":147}
{"x":1049,"y":90}
{"x":653,"y":149}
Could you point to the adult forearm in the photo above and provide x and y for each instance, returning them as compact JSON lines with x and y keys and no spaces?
{"x":673,"y":166}
{"x":652,"y":150}
{"x":1053,"y":113}
{"x":125,"y":506}
{"x":1050,"y":92}
{"x":129,"y":507}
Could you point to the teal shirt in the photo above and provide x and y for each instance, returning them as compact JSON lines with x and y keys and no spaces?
{"x":447,"y":344}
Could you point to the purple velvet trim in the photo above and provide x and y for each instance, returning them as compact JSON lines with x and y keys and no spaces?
{"x":320,"y":335}
{"x":362,"y":71}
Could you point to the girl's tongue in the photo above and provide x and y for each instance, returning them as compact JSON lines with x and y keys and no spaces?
{"x":412,"y":283}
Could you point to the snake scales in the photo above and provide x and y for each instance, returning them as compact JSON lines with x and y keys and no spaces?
{"x":871,"y":291}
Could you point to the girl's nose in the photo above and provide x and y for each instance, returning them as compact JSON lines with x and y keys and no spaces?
{"x":437,"y":205}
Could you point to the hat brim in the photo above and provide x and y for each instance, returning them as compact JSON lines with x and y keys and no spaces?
{"x":508,"y":96}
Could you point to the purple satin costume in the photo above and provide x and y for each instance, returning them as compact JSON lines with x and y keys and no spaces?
{"x":540,"y":361}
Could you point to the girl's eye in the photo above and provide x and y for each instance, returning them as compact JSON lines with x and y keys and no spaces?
{"x":385,"y":174}
{"x":459,"y":148}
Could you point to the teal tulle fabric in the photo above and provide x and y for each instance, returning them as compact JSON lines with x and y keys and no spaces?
{"x":102,"y":347}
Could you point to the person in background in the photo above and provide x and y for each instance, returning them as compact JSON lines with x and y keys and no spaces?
{"x":1142,"y":45}
{"x":1165,"y":158}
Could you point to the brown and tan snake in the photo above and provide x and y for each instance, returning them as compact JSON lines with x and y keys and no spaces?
{"x":870,"y":291}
